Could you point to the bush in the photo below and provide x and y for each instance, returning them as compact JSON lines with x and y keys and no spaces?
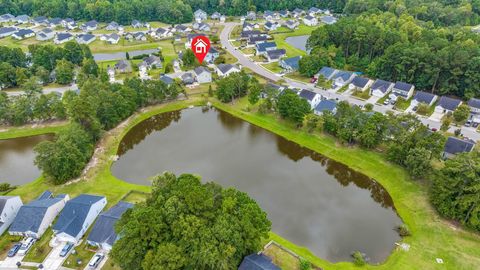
{"x":304,"y":264}
{"x":368,"y":107}
{"x":403,"y":230}
{"x":358,"y":258}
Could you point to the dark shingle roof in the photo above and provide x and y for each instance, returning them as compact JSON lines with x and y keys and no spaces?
{"x":72,"y":217}
{"x":403,"y":86}
{"x":4,"y":30}
{"x":327,"y":72}
{"x":254,"y":39}
{"x":103,"y":231}
{"x":293,"y":62}
{"x":424,"y":97}
{"x":474,"y":102}
{"x":246,"y":34}
{"x":23,"y":32}
{"x":225,"y":67}
{"x":345,"y":75}
{"x":381,"y":85}
{"x":326,"y":105}
{"x":455,"y":145}
{"x":449,"y":103}
{"x":166,"y":79}
{"x":276,"y":54}
{"x":62,"y":36}
{"x":360,"y":81}
{"x":257,"y":262}
{"x":199,"y":70}
{"x":307,"y":94}
{"x":261,"y":47}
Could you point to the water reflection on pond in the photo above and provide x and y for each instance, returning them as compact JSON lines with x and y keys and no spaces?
{"x":16,"y":159}
{"x":311,"y":200}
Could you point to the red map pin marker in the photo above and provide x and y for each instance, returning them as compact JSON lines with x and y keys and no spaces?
{"x":200,"y":47}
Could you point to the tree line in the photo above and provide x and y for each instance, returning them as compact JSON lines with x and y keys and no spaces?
{"x":441,"y":60}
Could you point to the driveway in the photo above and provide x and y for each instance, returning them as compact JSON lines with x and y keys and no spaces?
{"x":47,"y":90}
{"x":53,"y":260}
{"x":436,"y":116}
{"x":373,"y":99}
{"x":102,"y":263}
{"x":11,"y":262}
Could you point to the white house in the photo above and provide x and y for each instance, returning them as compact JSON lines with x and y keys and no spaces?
{"x":380,"y":88}
{"x":77,"y":216}
{"x":328,"y":19}
{"x":22,"y":19}
{"x":212,"y":55}
{"x":360,"y":84}
{"x":326,"y":105}
{"x":327,"y":73}
{"x":310,"y":20}
{"x":190,"y":37}
{"x":474,"y":104}
{"x":9,"y":207}
{"x":62,"y":38}
{"x":203,"y":74}
{"x":404,"y":90}
{"x":423,"y":97}
{"x":86,"y":38}
{"x":7,"y":31}
{"x":6,"y":18}
{"x":343,"y":78}
{"x":34,"y":218}
{"x":103,"y":233}
{"x":447,"y":105}
{"x":45,"y":34}
{"x":312,"y":97}
{"x":200,"y":15}
{"x":271,"y":26}
{"x":23,"y":34}
{"x":89,"y":26}
{"x":455,"y":146}
{"x":224,"y":70}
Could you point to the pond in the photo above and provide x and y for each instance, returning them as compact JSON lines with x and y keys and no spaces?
{"x":16,"y":159}
{"x":299,"y":42}
{"x":311,"y":200}
{"x":121,"y":55}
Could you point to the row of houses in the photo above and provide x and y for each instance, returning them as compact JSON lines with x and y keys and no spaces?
{"x":72,"y":217}
{"x":200,"y":15}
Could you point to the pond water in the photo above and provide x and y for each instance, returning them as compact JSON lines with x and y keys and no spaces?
{"x":121,"y":55}
{"x":16,"y":159}
{"x":299,"y":42}
{"x":311,"y":200}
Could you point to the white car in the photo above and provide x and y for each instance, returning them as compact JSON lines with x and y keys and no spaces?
{"x":26,"y":245}
{"x":95,"y":261}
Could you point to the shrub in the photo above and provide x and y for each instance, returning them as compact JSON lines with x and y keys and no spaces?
{"x":304,"y":264}
{"x":403,"y":230}
{"x":358,"y":258}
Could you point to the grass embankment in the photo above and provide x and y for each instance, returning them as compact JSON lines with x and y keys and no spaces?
{"x":432,"y":237}
{"x":31,"y":130}
{"x":280,"y":39}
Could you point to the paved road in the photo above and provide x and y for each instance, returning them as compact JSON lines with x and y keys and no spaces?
{"x":246,"y":62}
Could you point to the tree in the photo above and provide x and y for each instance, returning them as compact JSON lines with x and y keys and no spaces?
{"x":254,"y":90}
{"x":233,"y":86}
{"x":7,"y":75}
{"x":169,"y":67}
{"x":73,"y":52}
{"x":220,"y":60}
{"x":43,"y":75}
{"x":185,"y":224}
{"x":90,"y":67}
{"x":312,"y":122}
{"x":64,"y":72}
{"x":127,"y":56}
{"x":418,"y":162}
{"x":293,"y":107}
{"x":461,"y":113}
{"x":32,"y":87}
{"x":189,"y":59}
{"x":455,"y":190}
{"x":446,"y":121}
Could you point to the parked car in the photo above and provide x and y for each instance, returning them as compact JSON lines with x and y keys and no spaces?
{"x":66,"y":249}
{"x":434,"y":129}
{"x":468,"y":123}
{"x":95,"y":261}
{"x":415,"y":108}
{"x":14,"y":250}
{"x":393,"y":102}
{"x":313,"y":80}
{"x":27,"y":244}
{"x":386,"y":102}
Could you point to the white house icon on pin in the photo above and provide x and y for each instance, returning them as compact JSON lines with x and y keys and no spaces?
{"x":200,"y":46}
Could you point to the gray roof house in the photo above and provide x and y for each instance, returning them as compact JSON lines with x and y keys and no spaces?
{"x":7,"y":31}
{"x":312,"y":97}
{"x":278,"y":89}
{"x":211,"y":55}
{"x":283,"y":13}
{"x":250,"y":33}
{"x":166,"y":79}
{"x":380,"y":88}
{"x":298,"y":12}
{"x":275,"y":55}
{"x":257,"y":262}
{"x":86,"y":38}
{"x":9,"y":207}
{"x":123,"y":66}
{"x":251,"y":15}
{"x":291,"y":24}
{"x":271,"y":26}
{"x":402,"y":89}
{"x":326,"y":105}
{"x":455,"y":146}
{"x":54,"y":22}
{"x":103,"y":233}
{"x":446,"y":104}
{"x":253,"y":40}
{"x":6,"y":18}
{"x":62,"y":38}
{"x":202,"y":74}
{"x":77,"y":216}
{"x":343,"y":78}
{"x":474,"y":104}
{"x":310,"y":20}
{"x":136,"y":24}
{"x":360,"y":83}
{"x":200,"y":15}
{"x":152,"y":61}
{"x":112,"y":26}
{"x":45,"y":34}
{"x":424,"y":97}
{"x":188,"y":78}
{"x":34,"y":218}
{"x":22,"y":19}
{"x":327,"y":73}
{"x":215,"y":15}
{"x":328,"y":19}
{"x":290,"y":64}
{"x":23,"y":34}
{"x":263,"y":47}
{"x":40,"y":20}
{"x":226,"y":69}
{"x":89,"y":26}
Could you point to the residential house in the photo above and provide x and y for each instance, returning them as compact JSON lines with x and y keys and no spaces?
{"x":271,"y":26}
{"x":137,"y":24}
{"x":283,"y":13}
{"x":326,"y":105}
{"x":257,"y":262}
{"x":204,"y":27}
{"x":7,"y":18}
{"x":474,"y":104}
{"x":9,"y":207}
{"x":211,"y":55}
{"x":360,"y":83}
{"x":297,"y":13}
{"x":34,"y":218}
{"x":290,"y":64}
{"x":263,"y":47}
{"x":380,"y":88}
{"x":328,"y":19}
{"x":275,"y":55}
{"x":404,"y":90}
{"x":86,"y":38}
{"x":152,"y":61}
{"x":22,"y":19}
{"x":254,"y":40}
{"x":123,"y":66}
{"x":278,"y":89}
{"x":89,"y":26}
{"x":247,"y":27}
{"x":314,"y":11}
{"x":40,"y":20}
{"x":251,"y":16}
{"x":200,"y":15}
{"x":188,"y":78}
{"x":310,"y":20}
{"x":112,"y":26}
{"x":182,"y":28}
{"x":103,"y":233}
{"x":455,"y":146}
{"x":326,"y":73}
{"x":202,"y":75}
{"x":447,"y":105}
{"x":224,"y":70}
{"x":166,"y":79}
{"x":7,"y":31}
{"x":291,"y":24}
{"x":270,"y":15}
{"x":23,"y":34}
{"x":161,"y":33}
{"x":343,"y":78}
{"x":138,"y":36}
{"x":113,"y":38}
{"x":55,"y":22}
{"x":312,"y":97}
{"x":423,"y":97}
{"x":45,"y":34}
{"x":62,"y":38}
{"x":223,"y":18}
{"x":190,"y":37}
{"x":215,"y":15}
{"x":69,"y":23}
{"x":250,"y":33}
{"x":77,"y":216}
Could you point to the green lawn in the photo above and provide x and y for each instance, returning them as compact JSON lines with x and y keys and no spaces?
{"x":382,"y":99}
{"x":362,"y":94}
{"x":248,"y":50}
{"x":31,"y":130}
{"x":39,"y":251}
{"x":82,"y":255}
{"x":273,"y":67}
{"x":402,"y":105}
{"x":298,"y":77}
{"x":292,"y":51}
{"x":6,"y":242}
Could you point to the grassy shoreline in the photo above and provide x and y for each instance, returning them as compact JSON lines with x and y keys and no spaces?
{"x":31,"y":130}
{"x":431,"y":237}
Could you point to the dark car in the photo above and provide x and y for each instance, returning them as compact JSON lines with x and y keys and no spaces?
{"x":66,"y":249}
{"x":14,"y":250}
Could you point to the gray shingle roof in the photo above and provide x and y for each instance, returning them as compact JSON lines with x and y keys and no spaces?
{"x":104,"y":229}
{"x":449,"y":103}
{"x":424,"y":97}
{"x":403,"y":86}
{"x":293,"y":62}
{"x":74,"y":213}
{"x":166,"y":79}
{"x":276,"y":54}
{"x":456,"y":145}
{"x":224,"y":68}
{"x":62,"y":36}
{"x":23,"y":32}
{"x":4,"y":30}
{"x":261,"y":47}
{"x":345,"y":75}
{"x":199,"y":70}
{"x":381,"y":85}
{"x":307,"y":94}
{"x":326,"y":105}
{"x":327,"y":72}
{"x":257,"y":262}
{"x":474,"y":102}
{"x":360,"y":81}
